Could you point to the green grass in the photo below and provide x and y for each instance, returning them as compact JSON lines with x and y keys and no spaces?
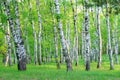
{"x":49,"y":72}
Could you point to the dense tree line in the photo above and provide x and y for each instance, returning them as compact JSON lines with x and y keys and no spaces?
{"x":68,"y":30}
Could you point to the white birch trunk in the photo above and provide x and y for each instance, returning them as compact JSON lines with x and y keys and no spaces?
{"x":70,"y":49}
{"x":109,"y":38}
{"x":8,"y":57}
{"x":115,"y":40}
{"x":74,"y":10}
{"x":62,"y":39}
{"x":87,"y":36}
{"x":56,"y":46}
{"x":8,"y":44}
{"x":20,"y":50}
{"x":34,"y":32}
{"x":83,"y":42}
{"x":35,"y":43}
{"x":39,"y":33}
{"x":99,"y":36}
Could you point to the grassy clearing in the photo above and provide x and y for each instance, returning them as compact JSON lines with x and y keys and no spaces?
{"x":49,"y":72}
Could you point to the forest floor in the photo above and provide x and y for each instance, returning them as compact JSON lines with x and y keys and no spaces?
{"x":49,"y":72}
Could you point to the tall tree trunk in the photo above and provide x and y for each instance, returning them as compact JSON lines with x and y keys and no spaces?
{"x":28,"y":57}
{"x":83,"y":39}
{"x":14,"y":52}
{"x":70,"y":49}
{"x":56,"y":46}
{"x":27,"y":43}
{"x":5,"y":41}
{"x":62,"y":59}
{"x":34,"y":32}
{"x":55,"y":40}
{"x":87,"y":37}
{"x":8,"y":56}
{"x":35,"y":43}
{"x":74,"y":10}
{"x":16,"y":34}
{"x":99,"y":36}
{"x":109,"y":37}
{"x":39,"y":33}
{"x":115,"y":37}
{"x":83,"y":43}
{"x":62,"y":39}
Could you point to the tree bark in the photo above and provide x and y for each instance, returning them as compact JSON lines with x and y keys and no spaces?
{"x":74,"y":10}
{"x":35,"y":43}
{"x":62,"y":39}
{"x":99,"y":36}
{"x":34,"y":32}
{"x":115,"y":40}
{"x":8,"y":55}
{"x":16,"y":34}
{"x":39,"y":33}
{"x":56,"y":46}
{"x":87,"y":37}
{"x":109,"y":38}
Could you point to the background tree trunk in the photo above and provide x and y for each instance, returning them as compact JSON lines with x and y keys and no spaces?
{"x":109,"y":37}
{"x":75,"y":48}
{"x":39,"y":33}
{"x":34,"y":32}
{"x":99,"y":36}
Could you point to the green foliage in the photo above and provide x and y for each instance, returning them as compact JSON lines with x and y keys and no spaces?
{"x":3,"y":18}
{"x":3,"y":50}
{"x":2,"y":44}
{"x":58,"y":16}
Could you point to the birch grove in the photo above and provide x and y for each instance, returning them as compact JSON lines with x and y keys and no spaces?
{"x":69,"y":33}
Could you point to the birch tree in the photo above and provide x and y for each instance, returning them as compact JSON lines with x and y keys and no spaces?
{"x":8,"y":54}
{"x":39,"y":33}
{"x":6,"y":29}
{"x":109,"y":36}
{"x":115,"y":40}
{"x":56,"y":46}
{"x":87,"y":36}
{"x":62,"y":39}
{"x":98,"y":36}
{"x":25,"y":31}
{"x":34,"y":32}
{"x":55,"y":37}
{"x":16,"y":34}
{"x":74,"y":10}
